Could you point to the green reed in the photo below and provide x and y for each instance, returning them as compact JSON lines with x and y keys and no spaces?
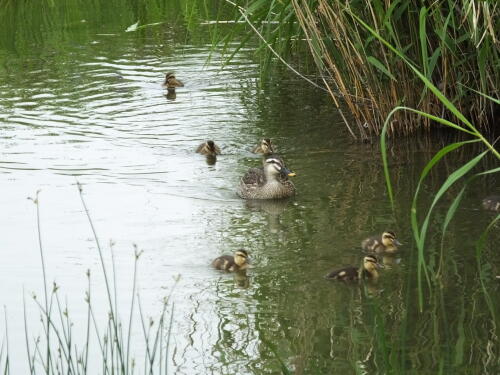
{"x":56,"y":351}
{"x":463,"y":124}
{"x":451,"y":42}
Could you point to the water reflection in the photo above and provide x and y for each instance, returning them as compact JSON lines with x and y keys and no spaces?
{"x":94,"y":108}
{"x":211,"y":159}
{"x":274,"y":207}
{"x":390,"y":260}
{"x":241,"y":279}
{"x":171,"y":94}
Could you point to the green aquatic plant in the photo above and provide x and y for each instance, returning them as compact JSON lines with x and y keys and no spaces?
{"x":453,"y":43}
{"x":420,"y":231}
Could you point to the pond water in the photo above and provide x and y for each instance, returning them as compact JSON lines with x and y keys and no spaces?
{"x":84,"y":103}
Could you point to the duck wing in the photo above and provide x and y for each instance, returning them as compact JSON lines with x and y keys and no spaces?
{"x":371,"y":244}
{"x":254,"y":177}
{"x":224,"y":262}
{"x":347,"y":274}
{"x":200,"y":148}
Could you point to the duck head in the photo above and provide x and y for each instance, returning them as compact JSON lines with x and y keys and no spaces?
{"x":372,"y":265}
{"x":211,"y":146}
{"x":274,"y":167}
{"x":389,"y":239}
{"x":171,"y":82}
{"x":240,"y":257}
{"x":266,"y":146}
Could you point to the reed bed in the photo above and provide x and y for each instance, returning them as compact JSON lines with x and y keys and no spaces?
{"x":454,"y":43}
{"x":464,"y":174}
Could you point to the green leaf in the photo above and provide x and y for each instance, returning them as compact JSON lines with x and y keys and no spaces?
{"x":447,"y":103}
{"x":433,"y":60}
{"x":494,"y":170}
{"x":377,"y":64}
{"x":453,"y":208}
{"x":452,"y":178}
{"x":447,"y":149}
{"x":497,"y":101}
{"x":423,"y":40}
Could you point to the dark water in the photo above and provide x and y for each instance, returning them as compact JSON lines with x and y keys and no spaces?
{"x":81,"y":99}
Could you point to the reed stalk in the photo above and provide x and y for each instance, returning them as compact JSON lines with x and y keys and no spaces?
{"x":453,"y":43}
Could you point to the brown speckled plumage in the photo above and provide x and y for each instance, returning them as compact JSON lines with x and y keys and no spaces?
{"x":171,"y":82}
{"x":387,"y":242}
{"x":492,"y":203}
{"x":238,"y":262}
{"x":367,"y":271}
{"x":265,"y":147}
{"x":208,"y":148}
{"x":269,"y":182}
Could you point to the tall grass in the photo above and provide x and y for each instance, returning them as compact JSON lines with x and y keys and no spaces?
{"x":463,"y":173}
{"x":106,"y":345}
{"x":453,"y":43}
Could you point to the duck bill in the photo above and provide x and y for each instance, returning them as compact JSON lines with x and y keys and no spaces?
{"x":397,"y":243}
{"x":287,"y":172}
{"x":380,"y":266}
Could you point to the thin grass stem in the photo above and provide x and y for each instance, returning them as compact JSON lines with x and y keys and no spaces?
{"x":108,"y":290}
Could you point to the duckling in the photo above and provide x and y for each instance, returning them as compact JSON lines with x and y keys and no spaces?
{"x":367,"y":271}
{"x":385,"y":243}
{"x":171,"y":82}
{"x":492,"y":203}
{"x":265,"y":147}
{"x":238,"y":262}
{"x":268,"y":182}
{"x":208,"y":148}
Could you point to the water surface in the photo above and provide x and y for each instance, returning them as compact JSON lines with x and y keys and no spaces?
{"x":86,"y":104}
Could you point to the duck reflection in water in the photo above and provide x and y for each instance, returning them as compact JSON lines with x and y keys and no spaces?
{"x":170,"y":84}
{"x":273,"y":208}
{"x":171,"y":94}
{"x":241,"y":279}
{"x":390,"y":260}
{"x":211,"y":159}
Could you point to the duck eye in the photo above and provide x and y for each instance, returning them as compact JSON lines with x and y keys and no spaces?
{"x":274,"y":161}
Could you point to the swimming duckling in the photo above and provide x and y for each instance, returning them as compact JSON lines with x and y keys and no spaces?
{"x":208,"y":148}
{"x":265,"y":147}
{"x":171,"y":82}
{"x":268,"y":182}
{"x":367,"y":271}
{"x":385,"y":243}
{"x":492,"y":203}
{"x":238,"y":262}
